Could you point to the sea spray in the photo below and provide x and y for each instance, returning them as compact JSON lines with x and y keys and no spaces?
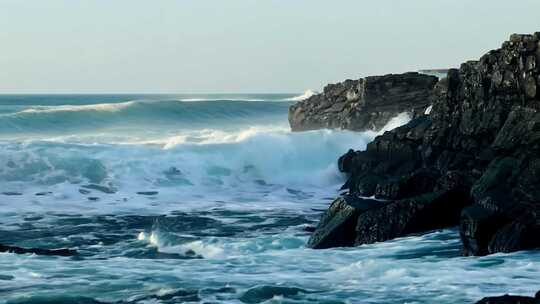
{"x":232,"y":190}
{"x":307,"y":94}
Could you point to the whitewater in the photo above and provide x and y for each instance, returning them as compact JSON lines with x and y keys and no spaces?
{"x":203,"y":198}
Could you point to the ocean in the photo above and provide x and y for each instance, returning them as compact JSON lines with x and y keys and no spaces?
{"x":203,"y":198}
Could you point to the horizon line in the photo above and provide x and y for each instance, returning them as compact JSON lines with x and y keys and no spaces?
{"x":145,"y":93}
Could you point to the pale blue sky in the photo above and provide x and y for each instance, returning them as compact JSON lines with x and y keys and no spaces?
{"x":187,"y":46}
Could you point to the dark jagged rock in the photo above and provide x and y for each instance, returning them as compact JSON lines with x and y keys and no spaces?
{"x":337,"y":225}
{"x":476,"y":228}
{"x":309,"y":228}
{"x":38,"y":251}
{"x":509,"y":299}
{"x":419,"y":214}
{"x":481,"y":139}
{"x":364,"y":104}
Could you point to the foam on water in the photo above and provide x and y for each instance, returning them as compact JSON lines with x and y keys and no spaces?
{"x":170,"y":201}
{"x":422,"y":269}
{"x":249,"y":167}
{"x":78,"y":108}
{"x":428,"y":110}
{"x":307,"y":94}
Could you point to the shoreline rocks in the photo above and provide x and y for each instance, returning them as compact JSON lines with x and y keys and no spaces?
{"x":510,"y":299}
{"x":337,"y":226}
{"x":480,"y":143}
{"x":364,"y":104}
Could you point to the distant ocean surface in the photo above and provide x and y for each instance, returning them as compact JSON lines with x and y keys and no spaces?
{"x":203,"y":198}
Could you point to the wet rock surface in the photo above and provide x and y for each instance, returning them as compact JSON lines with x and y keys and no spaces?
{"x":337,"y":225}
{"x":511,"y":299}
{"x":480,"y":145}
{"x":364,"y":104}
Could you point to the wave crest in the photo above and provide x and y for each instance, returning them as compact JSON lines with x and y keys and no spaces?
{"x":139,"y":117}
{"x":307,"y":94}
{"x":108,"y":107}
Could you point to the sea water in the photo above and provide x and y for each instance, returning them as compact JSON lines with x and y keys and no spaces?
{"x":203,"y":198}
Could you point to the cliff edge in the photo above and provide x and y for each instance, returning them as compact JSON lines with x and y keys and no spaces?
{"x":473,"y":162}
{"x":363,"y":104}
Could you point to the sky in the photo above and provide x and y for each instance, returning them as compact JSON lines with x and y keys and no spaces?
{"x":241,"y":46}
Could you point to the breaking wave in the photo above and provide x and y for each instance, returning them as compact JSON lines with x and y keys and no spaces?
{"x":109,"y":107}
{"x":163,"y":115}
{"x":307,"y":94}
{"x":257,"y":164}
{"x":203,"y":201}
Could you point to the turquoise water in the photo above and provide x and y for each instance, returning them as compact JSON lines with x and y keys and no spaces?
{"x":202,"y":198}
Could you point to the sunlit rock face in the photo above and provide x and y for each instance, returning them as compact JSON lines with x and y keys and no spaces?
{"x":364,"y":104}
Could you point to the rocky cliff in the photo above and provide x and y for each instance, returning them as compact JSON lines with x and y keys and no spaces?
{"x":364,"y":104}
{"x":473,"y":162}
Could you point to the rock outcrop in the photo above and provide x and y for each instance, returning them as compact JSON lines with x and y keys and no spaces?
{"x":337,"y":225}
{"x":363,"y":104}
{"x":473,"y":161}
{"x":509,"y":299}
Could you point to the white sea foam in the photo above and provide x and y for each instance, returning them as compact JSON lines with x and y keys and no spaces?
{"x":212,"y":136}
{"x":107,"y":107}
{"x":377,"y":272}
{"x":428,"y":110}
{"x":256,"y":165}
{"x":307,"y":94}
{"x":206,"y":250}
{"x":259,"y":185}
{"x":398,"y":121}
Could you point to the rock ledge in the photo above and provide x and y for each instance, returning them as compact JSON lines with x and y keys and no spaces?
{"x":363,"y":104}
{"x":474,"y":161}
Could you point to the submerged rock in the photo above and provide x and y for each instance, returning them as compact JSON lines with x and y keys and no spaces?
{"x":509,"y":299}
{"x":44,"y":193}
{"x":84,"y":191}
{"x":364,"y":104}
{"x":147,"y":192}
{"x":480,"y":145}
{"x":261,"y":294}
{"x":57,"y":299}
{"x":38,"y":251}
{"x":11,"y":193}
{"x":101,"y":188}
